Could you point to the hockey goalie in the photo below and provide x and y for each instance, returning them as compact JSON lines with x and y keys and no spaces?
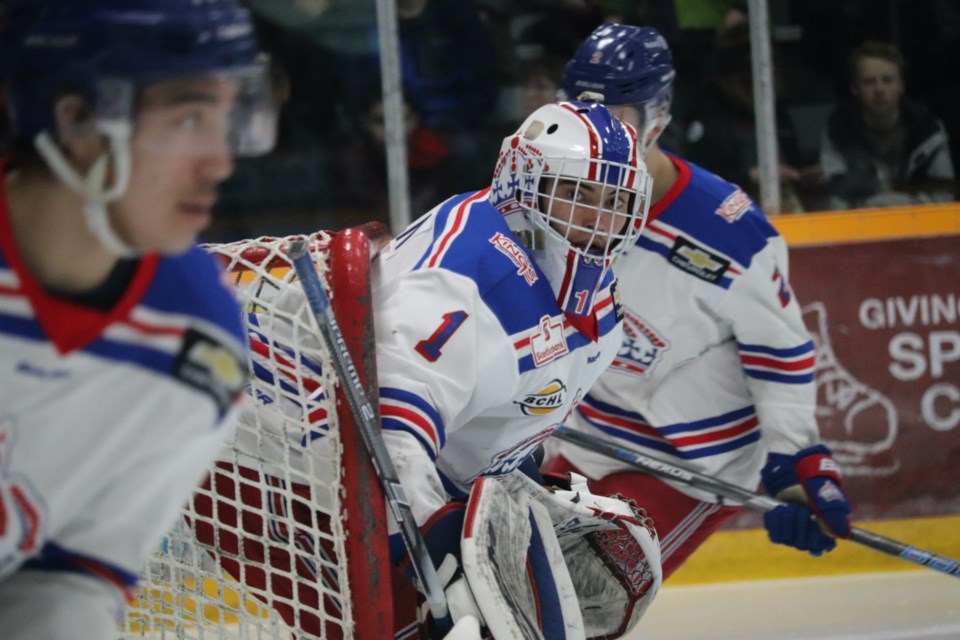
{"x":494,"y":313}
{"x":518,"y":559}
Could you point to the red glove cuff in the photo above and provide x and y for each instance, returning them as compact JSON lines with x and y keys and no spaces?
{"x":817,"y":465}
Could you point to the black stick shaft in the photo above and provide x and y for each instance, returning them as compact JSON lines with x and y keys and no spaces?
{"x":669,"y":471}
{"x":366,"y":419}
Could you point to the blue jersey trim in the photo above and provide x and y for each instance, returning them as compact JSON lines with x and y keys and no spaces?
{"x":780,"y":377}
{"x":790,"y":352}
{"x":706,"y":423}
{"x":54,"y":558}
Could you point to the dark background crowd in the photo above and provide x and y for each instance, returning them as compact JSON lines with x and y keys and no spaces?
{"x":472,"y":70}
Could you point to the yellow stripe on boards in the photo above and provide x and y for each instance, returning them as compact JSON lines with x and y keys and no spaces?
{"x":749,"y":555}
{"x":869,"y":225}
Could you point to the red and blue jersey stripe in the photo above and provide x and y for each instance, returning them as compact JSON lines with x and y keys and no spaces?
{"x":686,"y":440}
{"x":793,"y":365}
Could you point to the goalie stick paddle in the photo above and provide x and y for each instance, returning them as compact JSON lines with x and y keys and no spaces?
{"x":669,"y":471}
{"x":319,"y":303}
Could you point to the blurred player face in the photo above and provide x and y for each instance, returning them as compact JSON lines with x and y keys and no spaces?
{"x":586,"y":213}
{"x":179,"y":155}
{"x":649,"y":119}
{"x":878,"y":87}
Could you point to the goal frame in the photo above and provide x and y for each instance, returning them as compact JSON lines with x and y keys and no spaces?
{"x":343,"y":259}
{"x":367,"y":549}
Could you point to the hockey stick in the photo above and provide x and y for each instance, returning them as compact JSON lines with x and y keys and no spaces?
{"x":319,"y":303}
{"x":669,"y":471}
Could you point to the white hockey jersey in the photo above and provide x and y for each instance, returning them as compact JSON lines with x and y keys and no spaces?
{"x":107,"y":422}
{"x":716,"y":367}
{"x":477,"y":364}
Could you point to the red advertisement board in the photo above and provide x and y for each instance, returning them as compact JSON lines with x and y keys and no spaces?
{"x":885,"y":317}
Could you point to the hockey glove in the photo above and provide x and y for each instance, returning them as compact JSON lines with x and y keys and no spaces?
{"x":441,"y":534}
{"x":610,"y":548}
{"x":810,"y":481}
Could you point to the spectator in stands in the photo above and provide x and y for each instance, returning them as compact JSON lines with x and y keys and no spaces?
{"x":448,"y":62}
{"x":880,"y":147}
{"x":360,"y":175}
{"x":720,"y":133}
{"x":539,"y":82}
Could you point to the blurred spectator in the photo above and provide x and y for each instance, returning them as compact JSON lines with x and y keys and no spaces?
{"x":448,"y":63}
{"x":554,"y":28}
{"x":720,"y":133}
{"x":360,"y":174}
{"x":929,"y":35}
{"x":539,"y":83}
{"x":286,"y":190}
{"x":880,"y":147}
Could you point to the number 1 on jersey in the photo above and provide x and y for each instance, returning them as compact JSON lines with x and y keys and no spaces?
{"x":430,"y":348}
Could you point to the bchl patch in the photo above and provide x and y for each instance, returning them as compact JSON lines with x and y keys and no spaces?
{"x":208,"y":366}
{"x":517,"y":256}
{"x":642,"y":348}
{"x":697,"y":261}
{"x":545,"y":401}
{"x":548,"y":343}
{"x":734,"y":206}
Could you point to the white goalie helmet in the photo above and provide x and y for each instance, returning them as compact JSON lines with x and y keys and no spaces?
{"x":572,"y":183}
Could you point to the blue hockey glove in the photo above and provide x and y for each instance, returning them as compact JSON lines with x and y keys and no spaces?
{"x":815,"y":471}
{"x":795,"y":525}
{"x":442,"y":534}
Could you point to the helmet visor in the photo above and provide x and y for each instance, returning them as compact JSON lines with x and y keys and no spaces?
{"x":230,"y":112}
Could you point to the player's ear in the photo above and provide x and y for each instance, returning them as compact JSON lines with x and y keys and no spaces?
{"x":76,"y":132}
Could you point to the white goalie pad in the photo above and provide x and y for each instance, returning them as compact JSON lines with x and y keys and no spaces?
{"x":610,"y":548}
{"x":515,"y":567}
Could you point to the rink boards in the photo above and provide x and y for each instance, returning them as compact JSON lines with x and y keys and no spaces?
{"x":880,"y":290}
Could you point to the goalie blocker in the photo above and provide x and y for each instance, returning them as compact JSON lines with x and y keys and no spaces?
{"x":553,"y":563}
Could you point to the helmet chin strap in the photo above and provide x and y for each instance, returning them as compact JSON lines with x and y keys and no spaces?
{"x":96,"y":194}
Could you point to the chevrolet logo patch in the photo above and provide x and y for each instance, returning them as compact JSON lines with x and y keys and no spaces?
{"x":697,"y":261}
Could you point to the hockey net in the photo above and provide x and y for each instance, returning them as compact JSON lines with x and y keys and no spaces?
{"x":287,"y":537}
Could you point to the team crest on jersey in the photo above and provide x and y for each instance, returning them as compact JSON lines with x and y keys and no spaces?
{"x":517,"y":256}
{"x":734,"y":206}
{"x":642,"y":348}
{"x":507,"y":461}
{"x":545,"y":401}
{"x":697,"y":261}
{"x":210,"y":367}
{"x":548,"y":343}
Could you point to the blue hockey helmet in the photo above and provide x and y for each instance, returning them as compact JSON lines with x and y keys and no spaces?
{"x":627,"y":65}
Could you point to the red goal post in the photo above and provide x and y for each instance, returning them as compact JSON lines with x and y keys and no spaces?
{"x":288,"y":534}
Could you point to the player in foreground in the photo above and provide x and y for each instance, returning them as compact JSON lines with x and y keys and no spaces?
{"x":494,"y":313}
{"x":123,"y":354}
{"x":716,"y":368}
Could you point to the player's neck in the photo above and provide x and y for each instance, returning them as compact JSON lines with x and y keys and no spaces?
{"x":662,"y":170}
{"x":52,"y":236}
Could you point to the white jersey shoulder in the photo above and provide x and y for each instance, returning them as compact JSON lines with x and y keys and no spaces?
{"x":716,"y":364}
